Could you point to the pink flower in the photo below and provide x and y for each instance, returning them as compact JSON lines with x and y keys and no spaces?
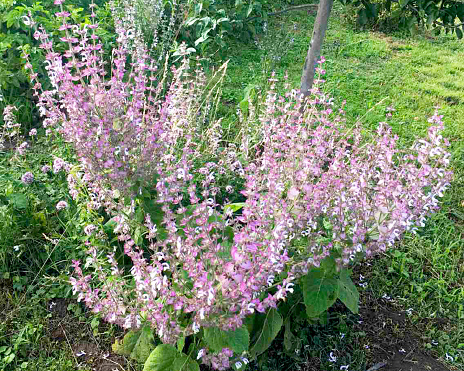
{"x":27,"y":178}
{"x":61,"y":205}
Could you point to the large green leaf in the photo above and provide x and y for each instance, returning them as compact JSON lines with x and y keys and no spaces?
{"x":165,"y":357}
{"x":215,"y":338}
{"x":319,"y":292}
{"x":185,"y":363}
{"x":161,"y":359}
{"x":218,"y":339}
{"x":269,"y":326}
{"x":136,"y":344}
{"x":239,"y":340}
{"x":126,"y":345}
{"x":348,"y":293}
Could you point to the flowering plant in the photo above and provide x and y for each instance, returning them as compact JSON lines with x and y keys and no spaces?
{"x":204,"y":276}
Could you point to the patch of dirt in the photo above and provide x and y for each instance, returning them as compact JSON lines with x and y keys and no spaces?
{"x":394,"y":342}
{"x":87,"y":351}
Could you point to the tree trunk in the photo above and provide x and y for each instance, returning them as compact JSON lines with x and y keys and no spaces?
{"x":314,"y":51}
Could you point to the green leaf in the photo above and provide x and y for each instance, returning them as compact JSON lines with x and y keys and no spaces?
{"x":165,"y":357}
{"x":319,"y":292}
{"x":19,"y":200}
{"x":403,"y":3}
{"x":180,"y":343}
{"x":238,"y":205}
{"x":136,"y":344}
{"x":348,"y":293}
{"x":250,"y":9}
{"x":218,"y":339}
{"x":127,"y":344}
{"x":290,"y":340}
{"x":329,"y":266}
{"x":239,"y":340}
{"x":215,"y":338}
{"x":198,"y":7}
{"x":268,"y":330}
{"x":184,"y":363}
{"x":145,"y":344}
{"x":109,"y":226}
{"x":161,"y":359}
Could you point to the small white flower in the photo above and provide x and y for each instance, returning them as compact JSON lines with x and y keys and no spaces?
{"x":332,"y":358}
{"x":81,"y":353}
{"x":200,"y":354}
{"x":409,"y":311}
{"x":344,"y":367}
{"x":270,"y":280}
{"x":195,"y":327}
{"x":251,"y":307}
{"x":342,"y":336}
{"x":238,"y":364}
{"x":402,"y":350}
{"x":26,"y":20}
{"x":449,"y":358}
{"x":434,"y":342}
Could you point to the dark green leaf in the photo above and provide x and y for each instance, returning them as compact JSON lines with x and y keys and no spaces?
{"x":269,"y":327}
{"x":348,"y":293}
{"x":403,"y":3}
{"x":319,"y":292}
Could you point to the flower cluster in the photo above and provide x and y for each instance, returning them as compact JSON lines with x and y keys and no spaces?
{"x":27,"y":178}
{"x":61,"y":205}
{"x":337,"y":189}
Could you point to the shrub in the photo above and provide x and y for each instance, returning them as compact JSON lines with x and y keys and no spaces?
{"x":319,"y":195}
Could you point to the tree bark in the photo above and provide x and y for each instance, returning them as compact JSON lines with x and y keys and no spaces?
{"x":314,"y":51}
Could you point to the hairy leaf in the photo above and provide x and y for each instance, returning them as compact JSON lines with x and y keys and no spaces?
{"x":319,"y":292}
{"x":270,"y":327}
{"x":348,"y":293}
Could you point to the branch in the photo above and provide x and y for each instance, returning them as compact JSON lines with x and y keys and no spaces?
{"x":297,"y":7}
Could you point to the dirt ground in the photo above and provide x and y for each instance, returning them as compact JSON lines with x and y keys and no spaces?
{"x":395,"y":343}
